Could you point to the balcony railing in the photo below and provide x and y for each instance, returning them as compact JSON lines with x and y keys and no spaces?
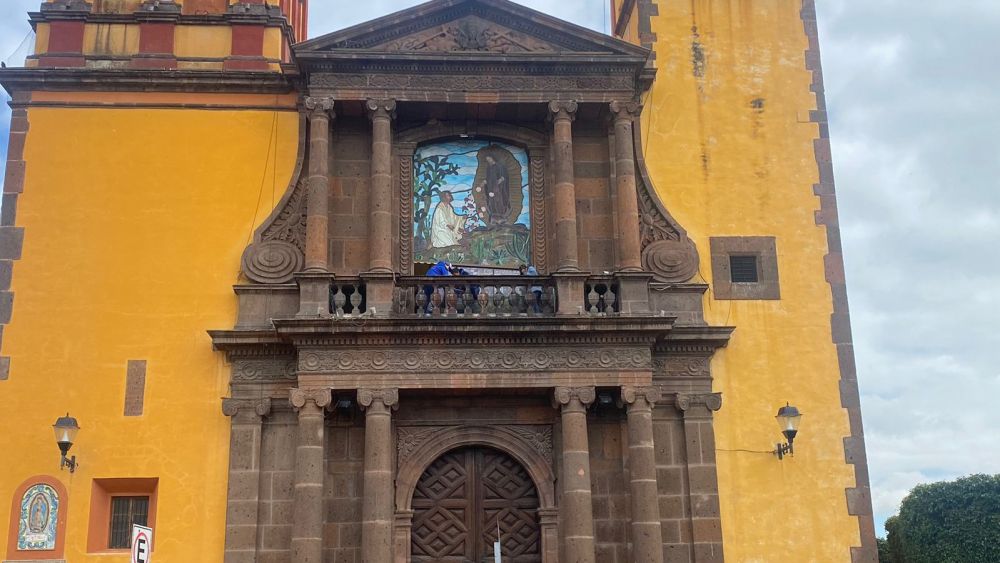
{"x":475,"y":296}
{"x":347,"y":297}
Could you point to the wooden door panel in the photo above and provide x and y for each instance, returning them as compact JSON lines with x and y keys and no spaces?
{"x":460,"y":500}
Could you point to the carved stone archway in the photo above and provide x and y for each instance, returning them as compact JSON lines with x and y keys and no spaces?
{"x":529,"y":445}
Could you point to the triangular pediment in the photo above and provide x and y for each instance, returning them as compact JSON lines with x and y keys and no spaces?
{"x":484,"y":27}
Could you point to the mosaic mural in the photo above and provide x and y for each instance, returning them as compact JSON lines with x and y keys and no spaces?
{"x":471,"y":204}
{"x":36,"y":529}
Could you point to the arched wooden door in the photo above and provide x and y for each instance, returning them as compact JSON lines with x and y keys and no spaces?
{"x":458,"y":502}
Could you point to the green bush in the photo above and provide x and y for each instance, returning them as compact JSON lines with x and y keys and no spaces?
{"x":948,"y":522}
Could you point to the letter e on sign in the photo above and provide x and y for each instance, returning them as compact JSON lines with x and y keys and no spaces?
{"x":142,"y":544}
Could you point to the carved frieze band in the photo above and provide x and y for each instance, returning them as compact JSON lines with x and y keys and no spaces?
{"x":259,"y":370}
{"x":299,"y":397}
{"x":475,"y":80}
{"x":681,"y":366}
{"x":388,"y":397}
{"x":684,"y":401}
{"x":563,"y":396}
{"x":463,"y":361}
{"x":537,"y":437}
{"x":238,"y":407}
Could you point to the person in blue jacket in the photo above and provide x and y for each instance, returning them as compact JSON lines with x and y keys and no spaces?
{"x":442,"y":268}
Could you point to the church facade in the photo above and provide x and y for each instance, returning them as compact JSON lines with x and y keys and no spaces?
{"x":460,"y":280}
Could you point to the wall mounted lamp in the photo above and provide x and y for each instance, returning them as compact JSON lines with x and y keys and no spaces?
{"x":66,"y":429}
{"x":788,"y":419}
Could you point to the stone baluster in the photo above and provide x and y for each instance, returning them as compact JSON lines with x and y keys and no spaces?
{"x":320,"y":112}
{"x":647,"y":539}
{"x":577,"y":510}
{"x":244,"y":477}
{"x":562,"y":115}
{"x":377,"y":508}
{"x":629,"y":253}
{"x":307,"y":528}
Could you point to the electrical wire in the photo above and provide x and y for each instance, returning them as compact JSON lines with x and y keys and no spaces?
{"x":271,"y":144}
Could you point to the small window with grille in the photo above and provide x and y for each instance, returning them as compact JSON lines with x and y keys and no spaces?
{"x":126,"y":511}
{"x":743,"y":269}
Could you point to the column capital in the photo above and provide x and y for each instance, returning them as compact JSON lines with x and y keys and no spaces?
{"x":256,"y":407}
{"x":684,"y":401}
{"x":637,"y":396}
{"x":566,"y":396}
{"x":625,"y":110}
{"x":299,"y":397}
{"x":563,"y":110}
{"x":320,"y":106}
{"x":388,"y":397}
{"x":381,"y":108}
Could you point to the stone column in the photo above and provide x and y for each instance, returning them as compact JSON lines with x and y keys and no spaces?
{"x":629,"y":254}
{"x":318,"y":195}
{"x":702,"y":474}
{"x":577,"y":511}
{"x":562,"y":115}
{"x":647,"y":538}
{"x":377,"y":508}
{"x":382,"y":112}
{"x":243,"y":498}
{"x":307,"y":528}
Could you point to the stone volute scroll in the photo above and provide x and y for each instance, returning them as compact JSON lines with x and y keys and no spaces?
{"x":711,"y":401}
{"x":667,"y":251}
{"x":648,"y":396}
{"x":246,"y":407}
{"x":320,"y":397}
{"x":388,"y":397}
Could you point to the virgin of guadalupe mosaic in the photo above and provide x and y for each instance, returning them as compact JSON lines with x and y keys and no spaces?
{"x":36,"y":530}
{"x":471,"y":204}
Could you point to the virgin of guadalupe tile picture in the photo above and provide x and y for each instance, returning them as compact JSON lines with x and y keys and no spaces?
{"x":36,"y":529}
{"x":471,"y":204}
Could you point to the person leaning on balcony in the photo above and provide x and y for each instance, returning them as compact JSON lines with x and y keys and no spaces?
{"x":536,"y":289}
{"x":442,"y":268}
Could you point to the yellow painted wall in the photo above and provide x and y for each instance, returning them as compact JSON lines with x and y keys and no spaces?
{"x":134,"y":224}
{"x":726,"y":168}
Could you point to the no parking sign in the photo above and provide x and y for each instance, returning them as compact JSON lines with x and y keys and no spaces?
{"x":142,"y":543}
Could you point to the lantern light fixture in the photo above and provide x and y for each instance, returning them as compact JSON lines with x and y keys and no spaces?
{"x":66,"y":428}
{"x":788,"y":420}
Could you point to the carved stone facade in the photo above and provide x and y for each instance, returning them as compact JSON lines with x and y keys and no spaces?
{"x":389,"y":403}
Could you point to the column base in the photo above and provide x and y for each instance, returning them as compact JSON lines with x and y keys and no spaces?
{"x":314,"y":293}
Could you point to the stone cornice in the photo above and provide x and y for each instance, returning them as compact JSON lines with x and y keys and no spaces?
{"x":140,"y":80}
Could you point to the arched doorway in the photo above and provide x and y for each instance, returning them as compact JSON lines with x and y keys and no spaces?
{"x":459,"y":501}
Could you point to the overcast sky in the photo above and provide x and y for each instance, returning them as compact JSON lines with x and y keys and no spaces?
{"x":913,"y":92}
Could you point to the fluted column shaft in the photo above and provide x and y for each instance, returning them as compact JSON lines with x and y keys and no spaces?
{"x":567,"y":253}
{"x":577,"y":511}
{"x":377,"y":509}
{"x":629,"y":252}
{"x":318,"y":184}
{"x":307,"y":529}
{"x":382,"y":113}
{"x":647,"y":539}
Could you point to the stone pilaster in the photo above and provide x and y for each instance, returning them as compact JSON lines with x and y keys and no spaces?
{"x":381,"y":112}
{"x":577,"y":510}
{"x":377,"y":508}
{"x":320,"y":112}
{"x":647,"y":537}
{"x":307,"y":529}
{"x":702,"y":474}
{"x":243,"y":498}
{"x":628,"y":257}
{"x":562,"y":115}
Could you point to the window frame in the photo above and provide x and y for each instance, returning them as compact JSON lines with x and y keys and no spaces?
{"x":103,"y":491}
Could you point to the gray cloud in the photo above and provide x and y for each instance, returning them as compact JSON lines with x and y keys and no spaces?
{"x":912,"y":90}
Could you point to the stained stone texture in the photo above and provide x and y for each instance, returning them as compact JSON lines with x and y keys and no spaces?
{"x":345,"y":449}
{"x":594,"y":209}
{"x":609,"y":487}
{"x":350,"y":181}
{"x":277,"y":477}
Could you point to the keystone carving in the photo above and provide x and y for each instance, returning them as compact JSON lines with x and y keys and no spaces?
{"x":299,"y":397}
{"x":388,"y":397}
{"x":234,"y":407}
